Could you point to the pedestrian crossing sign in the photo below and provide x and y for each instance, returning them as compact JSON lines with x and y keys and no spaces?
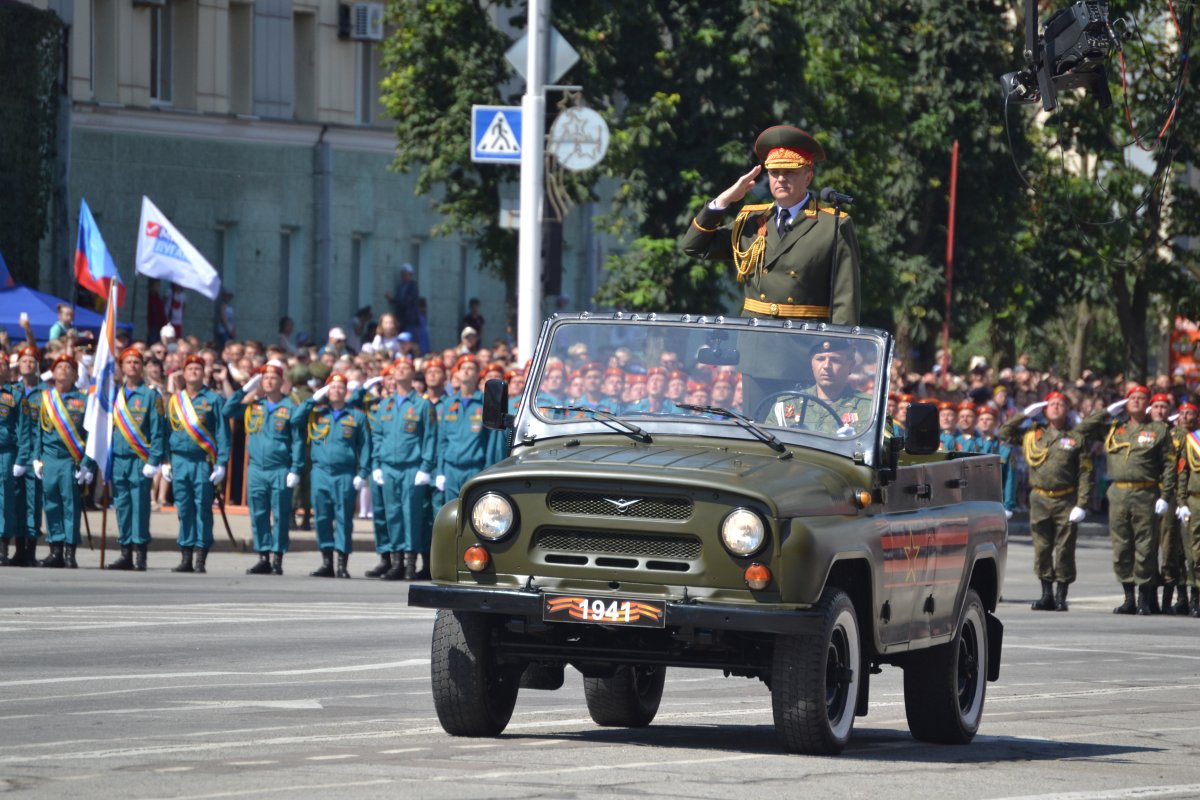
{"x":496,"y":134}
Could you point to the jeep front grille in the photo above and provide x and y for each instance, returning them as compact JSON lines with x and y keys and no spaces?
{"x":615,"y":504}
{"x":637,"y":545}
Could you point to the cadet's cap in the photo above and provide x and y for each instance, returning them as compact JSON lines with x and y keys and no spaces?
{"x":1162,"y":397}
{"x":29,"y":350}
{"x":893,"y":397}
{"x":697,"y":386}
{"x":677,"y":375}
{"x":657,"y":371}
{"x":636,"y":379}
{"x":337,"y":377}
{"x":63,"y":359}
{"x":195,"y":359}
{"x":433,"y":363}
{"x":1186,"y":404}
{"x":830,"y":346}
{"x":981,"y":410}
{"x":906,"y":398}
{"x":1056,"y":396}
{"x":614,"y":372}
{"x":466,"y":359}
{"x":514,"y":373}
{"x":787,"y":147}
{"x":967,"y":405}
{"x":1136,"y":389}
{"x":275,"y":366}
{"x":592,"y":366}
{"x":945,"y":405}
{"x":131,"y":352}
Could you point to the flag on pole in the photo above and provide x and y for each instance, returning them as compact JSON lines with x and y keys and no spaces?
{"x":98,"y":415}
{"x":6,"y":279}
{"x":164,"y":253}
{"x":94,"y":267}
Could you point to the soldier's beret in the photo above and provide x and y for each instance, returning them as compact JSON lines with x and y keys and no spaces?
{"x":967,"y":405}
{"x":466,"y":359}
{"x":945,"y":405}
{"x":1137,"y":389}
{"x":985,"y":409}
{"x":614,"y":372}
{"x":697,"y":386}
{"x":337,"y":377}
{"x":194,"y":359}
{"x":64,"y":359}
{"x":677,"y":375}
{"x":131,"y":352}
{"x":1162,"y":397}
{"x":434,"y":363}
{"x":29,"y":350}
{"x":592,"y":366}
{"x":787,"y":147}
{"x":636,"y":379}
{"x":657,"y":371}
{"x":906,"y":398}
{"x":831,"y":346}
{"x":513,"y":373}
{"x":1186,"y":404}
{"x":1056,"y":396}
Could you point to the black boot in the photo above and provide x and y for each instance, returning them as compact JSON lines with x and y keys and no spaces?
{"x":69,"y":557}
{"x":1130,"y":605}
{"x":18,"y":556}
{"x":410,"y":566}
{"x":1182,"y":607}
{"x":3,"y":552}
{"x":1046,"y":601}
{"x":1195,"y":603}
{"x":385,"y":564}
{"x":185,"y":562}
{"x":126,"y":559}
{"x":55,"y":559}
{"x":277,"y":564}
{"x":1152,"y":598}
{"x":139,"y":563}
{"x":31,"y":559}
{"x":201,"y":559}
{"x":342,"y":560}
{"x":1060,"y":597}
{"x":396,"y":573}
{"x":1168,"y":594}
{"x":326,"y":568}
{"x":1145,"y":599}
{"x":423,"y":573}
{"x":263,"y":567}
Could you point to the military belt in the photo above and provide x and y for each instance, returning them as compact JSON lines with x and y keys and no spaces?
{"x":1055,"y":492}
{"x":1136,"y":484}
{"x":785,"y":309}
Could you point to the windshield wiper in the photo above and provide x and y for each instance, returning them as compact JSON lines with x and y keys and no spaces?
{"x":605,"y":416}
{"x":745,"y":422}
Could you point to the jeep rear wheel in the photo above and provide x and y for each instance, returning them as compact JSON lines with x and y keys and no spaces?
{"x":815,"y":680}
{"x":473,"y":694}
{"x":629,"y":699}
{"x":944,"y":686}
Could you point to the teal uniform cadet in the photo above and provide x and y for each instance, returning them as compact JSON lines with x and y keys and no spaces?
{"x":11,"y":525}
{"x":465,"y":447}
{"x":275,"y":440}
{"x":143,"y":443}
{"x":193,"y":464}
{"x":404,"y":442}
{"x":62,"y":458}
{"x":29,"y":488}
{"x":340,"y":448}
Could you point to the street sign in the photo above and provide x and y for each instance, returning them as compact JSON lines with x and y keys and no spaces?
{"x":578,"y":138}
{"x":560,"y":58}
{"x":496,"y":134}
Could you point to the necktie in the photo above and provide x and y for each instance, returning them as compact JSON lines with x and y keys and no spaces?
{"x":782,"y":224}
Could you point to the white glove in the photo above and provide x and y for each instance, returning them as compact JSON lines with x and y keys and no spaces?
{"x":1115,"y":408}
{"x":845,"y":430}
{"x":218,"y":474}
{"x":1077,"y":514}
{"x":1007,"y":514}
{"x":1160,"y":506}
{"x":439,"y":483}
{"x":377,"y":476}
{"x":166,"y":473}
{"x":292,"y":480}
{"x":252,"y":384}
{"x":83,"y":476}
{"x":1183,"y":513}
{"x":148,"y":472}
{"x":371,"y":383}
{"x":359,"y":483}
{"x":38,"y":466}
{"x":19,"y":470}
{"x":1034,"y":408}
{"x":319,"y":394}
{"x":421,"y":479}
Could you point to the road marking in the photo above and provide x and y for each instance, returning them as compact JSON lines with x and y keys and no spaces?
{"x":340,"y":757}
{"x":175,"y":769}
{"x":1138,"y":654}
{"x":250,"y":763}
{"x":476,"y":746}
{"x":400,"y":750}
{"x":544,"y":742}
{"x":277,"y":790}
{"x":411,"y":662}
{"x":1138,"y":792}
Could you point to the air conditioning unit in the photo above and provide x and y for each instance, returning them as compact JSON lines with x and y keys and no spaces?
{"x":366,"y":22}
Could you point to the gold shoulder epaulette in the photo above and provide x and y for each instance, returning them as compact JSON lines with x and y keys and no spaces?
{"x":841,"y":214}
{"x":754,"y":208}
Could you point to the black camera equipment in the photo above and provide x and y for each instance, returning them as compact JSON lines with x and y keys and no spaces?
{"x":1070,"y":54}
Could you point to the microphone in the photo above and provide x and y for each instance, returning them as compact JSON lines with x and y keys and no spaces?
{"x":831,"y":195}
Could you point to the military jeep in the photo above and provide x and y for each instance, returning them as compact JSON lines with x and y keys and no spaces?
{"x":718,"y":493}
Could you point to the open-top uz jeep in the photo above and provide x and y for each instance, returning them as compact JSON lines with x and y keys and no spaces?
{"x":721,"y":493}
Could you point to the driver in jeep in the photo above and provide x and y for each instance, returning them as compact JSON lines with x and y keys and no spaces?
{"x":830,"y":405}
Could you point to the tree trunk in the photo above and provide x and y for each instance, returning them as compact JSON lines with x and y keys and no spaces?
{"x":1083,"y":329}
{"x":1132,"y":307}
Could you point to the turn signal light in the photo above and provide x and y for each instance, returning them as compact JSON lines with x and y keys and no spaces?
{"x":863,"y":498}
{"x":476,"y":558}
{"x":757,"y":576}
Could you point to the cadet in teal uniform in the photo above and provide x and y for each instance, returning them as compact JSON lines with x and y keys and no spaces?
{"x":28,"y":489}
{"x":10,"y":445}
{"x":465,"y":447}
{"x":275,"y":440}
{"x":198,"y":449}
{"x":139,"y":447}
{"x":436,"y":393}
{"x":363,"y":400}
{"x":988,"y":442}
{"x":60,"y":464}
{"x":404,"y":453}
{"x":340,"y":447}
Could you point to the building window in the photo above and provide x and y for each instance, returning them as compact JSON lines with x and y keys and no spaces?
{"x":241,"y":58}
{"x":162,"y":44}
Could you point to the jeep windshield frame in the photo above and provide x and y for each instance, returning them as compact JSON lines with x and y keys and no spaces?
{"x":773,"y":360}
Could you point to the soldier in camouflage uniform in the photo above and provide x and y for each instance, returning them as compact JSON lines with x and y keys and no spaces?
{"x":1170,"y":540}
{"x":1061,"y":481}
{"x":810,"y":407}
{"x":1188,"y":505}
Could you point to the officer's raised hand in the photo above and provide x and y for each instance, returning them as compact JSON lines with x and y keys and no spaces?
{"x":1115,"y":408}
{"x":738,"y":190}
{"x":1034,"y":408}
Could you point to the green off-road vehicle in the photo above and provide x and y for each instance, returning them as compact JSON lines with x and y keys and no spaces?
{"x":718,"y":493}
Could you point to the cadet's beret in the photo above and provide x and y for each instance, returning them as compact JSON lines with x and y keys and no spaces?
{"x":967,"y":405}
{"x":614,"y":372}
{"x":63,"y":359}
{"x":29,"y":350}
{"x":337,"y":377}
{"x":830,"y":346}
{"x":1056,"y":396}
{"x":945,"y":405}
{"x":657,"y":371}
{"x":893,"y":397}
{"x":195,"y":359}
{"x":434,"y":363}
{"x":1163,"y":397}
{"x":592,"y":366}
{"x":513,"y":373}
{"x":273,"y":366}
{"x":787,"y":147}
{"x":131,"y":352}
{"x":677,"y":375}
{"x":1186,"y":404}
{"x":697,"y":386}
{"x":465,"y":359}
{"x":906,"y":398}
{"x":981,"y":410}
{"x":1136,"y":389}
{"x":636,"y":379}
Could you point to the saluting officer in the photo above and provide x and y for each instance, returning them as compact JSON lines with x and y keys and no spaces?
{"x":198,"y":449}
{"x":464,"y":446}
{"x":11,"y":526}
{"x":275,"y":442}
{"x":404,"y":441}
{"x":60,"y":462}
{"x":340,"y":447}
{"x":1061,"y":481}
{"x":1188,"y":502}
{"x":29,"y":488}
{"x":139,"y":448}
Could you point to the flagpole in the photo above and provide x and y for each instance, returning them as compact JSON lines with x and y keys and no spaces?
{"x":103,"y":520}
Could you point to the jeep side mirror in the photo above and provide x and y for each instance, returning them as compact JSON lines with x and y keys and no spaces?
{"x":495,"y":405}
{"x":923,"y":435}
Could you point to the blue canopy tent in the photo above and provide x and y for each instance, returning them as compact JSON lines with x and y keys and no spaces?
{"x":42,"y":309}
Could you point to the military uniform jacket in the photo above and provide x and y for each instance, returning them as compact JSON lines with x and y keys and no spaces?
{"x":339,"y":441}
{"x":795,"y":265}
{"x":274,"y":432}
{"x":48,"y":443}
{"x":1137,"y":453}
{"x":209,"y":406}
{"x":147,"y":410}
{"x":1057,"y":458}
{"x":853,"y":409}
{"x":462,"y":439}
{"x":28,"y":428}
{"x":404,"y":432}
{"x":1187,"y":469}
{"x":10,"y":419}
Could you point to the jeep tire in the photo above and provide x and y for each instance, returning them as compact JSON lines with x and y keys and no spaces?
{"x":629,"y":699}
{"x":815,"y":680}
{"x":944,"y":686}
{"x":473,"y":694}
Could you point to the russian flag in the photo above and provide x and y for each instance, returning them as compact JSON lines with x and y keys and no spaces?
{"x":94,"y":267}
{"x":6,"y":278}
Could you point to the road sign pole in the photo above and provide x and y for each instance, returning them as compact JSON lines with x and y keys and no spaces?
{"x":533,"y":133}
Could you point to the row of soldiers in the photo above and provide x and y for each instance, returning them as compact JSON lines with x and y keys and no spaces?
{"x":415,"y":451}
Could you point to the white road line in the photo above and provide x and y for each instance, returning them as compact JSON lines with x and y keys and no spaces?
{"x":1134,"y":654}
{"x":411,"y":662}
{"x":277,"y":790}
{"x":175,"y":769}
{"x":340,"y":757}
{"x":477,"y":746}
{"x":400,"y":750}
{"x":1131,"y":793}
{"x":250,"y":763}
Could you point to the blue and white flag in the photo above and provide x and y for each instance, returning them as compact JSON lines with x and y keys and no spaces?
{"x":98,"y":416}
{"x":164,"y":253}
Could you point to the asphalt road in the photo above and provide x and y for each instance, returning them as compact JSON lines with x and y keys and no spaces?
{"x":225,"y":686}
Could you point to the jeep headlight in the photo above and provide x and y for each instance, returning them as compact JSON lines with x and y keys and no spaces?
{"x":492,"y":516}
{"x":743,"y":532}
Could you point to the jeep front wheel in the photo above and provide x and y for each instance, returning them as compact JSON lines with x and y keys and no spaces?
{"x":815,"y":680}
{"x":629,"y":699}
{"x":944,"y":686}
{"x":473,"y":694}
